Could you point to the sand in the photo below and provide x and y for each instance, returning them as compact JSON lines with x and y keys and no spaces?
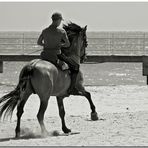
{"x":123,"y":120}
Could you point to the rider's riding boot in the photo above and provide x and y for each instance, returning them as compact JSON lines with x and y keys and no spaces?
{"x":73,"y":83}
{"x":62,"y":65}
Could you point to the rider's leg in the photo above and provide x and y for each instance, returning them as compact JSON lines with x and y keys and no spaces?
{"x":74,"y":74}
{"x":74,"y":68}
{"x":62,"y":65}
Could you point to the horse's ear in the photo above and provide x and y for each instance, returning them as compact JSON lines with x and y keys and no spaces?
{"x":85,"y":28}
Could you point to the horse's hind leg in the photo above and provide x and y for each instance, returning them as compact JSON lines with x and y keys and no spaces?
{"x":40,"y":115}
{"x":20,"y":110}
{"x":62,"y":114}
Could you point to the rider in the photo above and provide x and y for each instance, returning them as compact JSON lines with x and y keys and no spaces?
{"x":52,"y":39}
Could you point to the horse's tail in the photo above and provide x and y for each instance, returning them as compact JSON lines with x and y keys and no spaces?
{"x":9,"y":101}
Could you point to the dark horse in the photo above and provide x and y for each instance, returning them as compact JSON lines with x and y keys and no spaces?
{"x":45,"y":79}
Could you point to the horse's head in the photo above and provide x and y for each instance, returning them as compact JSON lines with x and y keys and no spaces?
{"x":78,"y":40}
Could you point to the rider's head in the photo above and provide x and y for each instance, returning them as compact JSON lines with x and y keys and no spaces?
{"x":57,"y":18}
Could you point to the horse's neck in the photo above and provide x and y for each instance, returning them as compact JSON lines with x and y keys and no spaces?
{"x":74,"y":49}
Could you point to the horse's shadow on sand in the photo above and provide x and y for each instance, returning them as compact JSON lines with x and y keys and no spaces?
{"x":33,"y":136}
{"x":21,"y":138}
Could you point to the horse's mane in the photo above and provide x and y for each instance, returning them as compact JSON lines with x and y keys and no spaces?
{"x":72,"y":27}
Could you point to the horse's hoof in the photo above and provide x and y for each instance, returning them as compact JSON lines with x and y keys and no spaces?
{"x":17,"y":136}
{"x":66,"y":130}
{"x":45,"y":134}
{"x":94,"y":116}
{"x":55,"y":133}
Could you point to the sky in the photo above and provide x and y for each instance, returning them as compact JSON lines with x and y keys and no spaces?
{"x":98,"y":16}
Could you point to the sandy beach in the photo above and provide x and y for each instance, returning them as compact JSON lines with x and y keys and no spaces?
{"x":123,"y":120}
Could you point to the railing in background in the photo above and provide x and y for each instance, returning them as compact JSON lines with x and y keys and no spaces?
{"x":101,"y":43}
{"x":119,"y":43}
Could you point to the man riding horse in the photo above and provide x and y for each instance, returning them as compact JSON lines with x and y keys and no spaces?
{"x":53,"y":39}
{"x":45,"y":79}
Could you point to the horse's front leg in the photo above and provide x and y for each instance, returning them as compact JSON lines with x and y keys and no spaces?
{"x":94,"y":115}
{"x":83,"y":92}
{"x":62,"y":114}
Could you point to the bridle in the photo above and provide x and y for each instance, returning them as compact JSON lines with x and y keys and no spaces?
{"x":83,"y":58}
{"x":85,"y":44}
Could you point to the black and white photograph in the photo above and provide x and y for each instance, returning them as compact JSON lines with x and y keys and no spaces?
{"x":73,"y":73}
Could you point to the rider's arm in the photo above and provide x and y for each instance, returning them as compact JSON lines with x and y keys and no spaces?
{"x":40,"y":40}
{"x":65,"y":39}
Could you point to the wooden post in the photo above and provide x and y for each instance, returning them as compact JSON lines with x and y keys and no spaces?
{"x":145,"y":68}
{"x":1,"y":66}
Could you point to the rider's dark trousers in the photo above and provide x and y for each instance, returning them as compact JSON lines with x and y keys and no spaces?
{"x":71,"y":63}
{"x":49,"y":56}
{"x":74,"y":68}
